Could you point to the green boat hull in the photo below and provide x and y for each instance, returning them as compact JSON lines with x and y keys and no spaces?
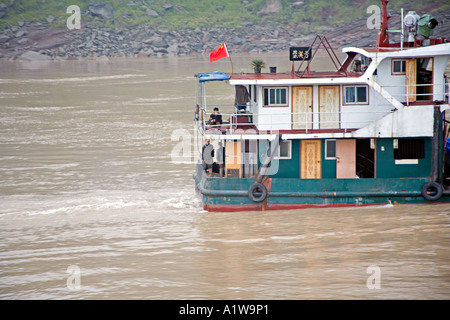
{"x":232,"y":194}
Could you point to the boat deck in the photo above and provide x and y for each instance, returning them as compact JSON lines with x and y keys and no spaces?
{"x":225,"y":129}
{"x":297,"y":75}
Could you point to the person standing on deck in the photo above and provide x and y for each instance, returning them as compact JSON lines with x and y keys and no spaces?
{"x":221,"y":158}
{"x":241,"y":98}
{"x":207,"y":156}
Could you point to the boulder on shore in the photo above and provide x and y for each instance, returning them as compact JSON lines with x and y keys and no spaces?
{"x":33,"y":56}
{"x":271,"y":7}
{"x":102,"y":10}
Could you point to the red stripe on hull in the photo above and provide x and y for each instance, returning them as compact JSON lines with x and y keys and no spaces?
{"x":261,"y":207}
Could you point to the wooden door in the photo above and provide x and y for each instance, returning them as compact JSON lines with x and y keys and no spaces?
{"x":346,"y":158}
{"x":233,"y":159}
{"x":411,"y":79}
{"x":311,"y":159}
{"x":329,"y":107}
{"x":302,"y":108}
{"x":250,"y":158}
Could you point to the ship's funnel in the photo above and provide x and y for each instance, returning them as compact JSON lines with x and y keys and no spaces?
{"x":427,"y":23}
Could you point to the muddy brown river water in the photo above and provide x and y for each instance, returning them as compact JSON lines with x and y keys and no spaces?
{"x":92,"y":207}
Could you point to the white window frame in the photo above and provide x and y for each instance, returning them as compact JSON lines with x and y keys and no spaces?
{"x":268,"y":98}
{"x":344,"y":89}
{"x":277,"y":153}
{"x":326,"y":149}
{"x":402,"y":64}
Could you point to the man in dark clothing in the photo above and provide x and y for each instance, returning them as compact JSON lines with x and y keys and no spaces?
{"x":241,"y":98}
{"x":221,"y":158}
{"x":215,"y":118}
{"x":207,"y":156}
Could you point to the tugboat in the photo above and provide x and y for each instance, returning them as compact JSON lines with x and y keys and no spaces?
{"x":371,"y":132}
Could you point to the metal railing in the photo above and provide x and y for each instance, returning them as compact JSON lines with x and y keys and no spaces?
{"x":346,"y":120}
{"x":411,"y":95}
{"x":343,"y":119}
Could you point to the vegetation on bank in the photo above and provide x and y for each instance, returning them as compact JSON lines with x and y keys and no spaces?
{"x":307,"y":16}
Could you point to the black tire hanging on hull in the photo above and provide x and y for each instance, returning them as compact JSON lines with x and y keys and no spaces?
{"x":432,"y":191}
{"x":255,"y":189}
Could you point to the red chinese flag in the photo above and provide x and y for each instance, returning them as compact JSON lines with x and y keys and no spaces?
{"x":219,"y":53}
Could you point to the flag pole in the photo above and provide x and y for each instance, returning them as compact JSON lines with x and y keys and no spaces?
{"x":231,"y":61}
{"x":232,"y":69}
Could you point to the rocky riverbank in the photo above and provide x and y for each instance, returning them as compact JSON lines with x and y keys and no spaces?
{"x":92,"y":41}
{"x":38,"y":40}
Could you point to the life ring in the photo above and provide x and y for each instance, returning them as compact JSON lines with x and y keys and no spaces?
{"x":432,"y":191}
{"x":257,"y":192}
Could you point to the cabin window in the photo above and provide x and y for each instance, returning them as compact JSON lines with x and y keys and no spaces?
{"x":365,"y":62}
{"x":409,"y":149}
{"x":356,"y":95}
{"x":330,"y":149}
{"x":284,"y":150}
{"x":398,"y":66}
{"x":275,"y":97}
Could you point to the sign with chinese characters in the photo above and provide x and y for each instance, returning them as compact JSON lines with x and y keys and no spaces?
{"x":299,"y":53}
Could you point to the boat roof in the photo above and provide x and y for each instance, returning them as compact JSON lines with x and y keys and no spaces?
{"x":274,"y":79}
{"x":212,"y":76}
{"x":397,"y":52}
{"x":373,"y":53}
{"x":290,"y":75}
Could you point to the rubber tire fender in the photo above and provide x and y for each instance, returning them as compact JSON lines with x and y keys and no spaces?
{"x":435,"y":185}
{"x":254,"y":187}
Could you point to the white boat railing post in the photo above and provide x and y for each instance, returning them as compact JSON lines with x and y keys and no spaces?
{"x":306,"y":122}
{"x":231,"y":124}
{"x":407,"y":95}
